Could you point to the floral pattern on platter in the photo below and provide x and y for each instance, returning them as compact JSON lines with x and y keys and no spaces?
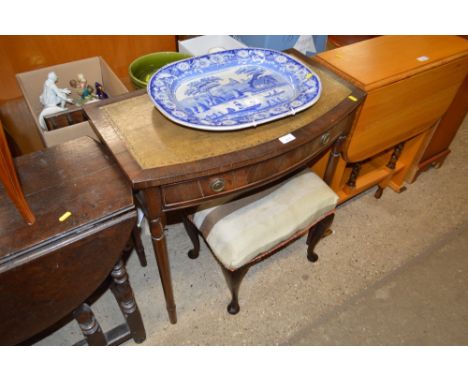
{"x":233,"y":89}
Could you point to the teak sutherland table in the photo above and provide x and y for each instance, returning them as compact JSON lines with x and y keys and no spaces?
{"x":411,"y":82}
{"x":177,"y":167}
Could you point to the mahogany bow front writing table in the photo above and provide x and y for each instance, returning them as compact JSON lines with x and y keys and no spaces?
{"x":176,"y":167}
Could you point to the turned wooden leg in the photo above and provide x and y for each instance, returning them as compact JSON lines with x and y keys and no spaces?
{"x":233,"y":280}
{"x":438,"y":164}
{"x":157,"y":222}
{"x":89,"y":326}
{"x":140,"y":250}
{"x":354,"y":175}
{"x":395,"y":155}
{"x":193,"y":234}
{"x":333,"y":159}
{"x":379,"y":192}
{"x":315,"y":234}
{"x":124,"y":295}
{"x":391,"y":165}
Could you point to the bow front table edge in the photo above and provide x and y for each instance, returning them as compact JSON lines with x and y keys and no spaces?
{"x":175,"y":167}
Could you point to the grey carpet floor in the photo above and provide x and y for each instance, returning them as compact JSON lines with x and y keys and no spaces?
{"x":395,"y":272}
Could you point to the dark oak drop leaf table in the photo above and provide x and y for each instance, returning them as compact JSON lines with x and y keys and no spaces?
{"x":49,"y":270}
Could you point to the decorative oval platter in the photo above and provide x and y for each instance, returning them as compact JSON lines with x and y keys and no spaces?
{"x":233,"y":89}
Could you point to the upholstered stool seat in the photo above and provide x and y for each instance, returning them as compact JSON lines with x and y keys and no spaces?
{"x":241,"y":231}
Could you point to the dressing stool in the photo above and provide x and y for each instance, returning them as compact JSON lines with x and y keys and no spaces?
{"x":243,"y":231}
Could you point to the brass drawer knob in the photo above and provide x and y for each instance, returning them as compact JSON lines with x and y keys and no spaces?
{"x":325,"y":138}
{"x":217,"y":185}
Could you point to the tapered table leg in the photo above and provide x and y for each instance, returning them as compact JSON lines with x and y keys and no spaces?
{"x":140,"y":250}
{"x":157,"y":222}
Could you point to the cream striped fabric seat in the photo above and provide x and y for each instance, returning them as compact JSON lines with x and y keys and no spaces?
{"x":241,"y":230}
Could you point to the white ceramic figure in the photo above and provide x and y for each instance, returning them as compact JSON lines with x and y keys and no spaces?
{"x":52,"y":95}
{"x":52,"y":98}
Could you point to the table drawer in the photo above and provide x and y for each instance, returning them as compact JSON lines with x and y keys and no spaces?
{"x":192,"y":192}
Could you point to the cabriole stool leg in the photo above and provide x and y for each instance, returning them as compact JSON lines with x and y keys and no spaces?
{"x":193,"y":235}
{"x":233,"y":280}
{"x":315,"y":234}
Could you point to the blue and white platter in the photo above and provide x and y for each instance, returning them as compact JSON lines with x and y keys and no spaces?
{"x":233,"y":89}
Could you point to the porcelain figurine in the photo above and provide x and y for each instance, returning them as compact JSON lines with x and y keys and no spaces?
{"x":82,"y":82}
{"x":52,"y":98}
{"x":85,"y":91}
{"x":100,"y":93}
{"x":53,"y":95}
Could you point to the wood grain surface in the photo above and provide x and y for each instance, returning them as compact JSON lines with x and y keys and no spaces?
{"x":382,"y":60}
{"x":58,"y":180}
{"x":403,"y":109}
{"x":448,"y":125}
{"x":50,"y":268}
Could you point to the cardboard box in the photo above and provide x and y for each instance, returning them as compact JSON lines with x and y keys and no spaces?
{"x":94,"y":69}
{"x":208,"y":44}
{"x":306,"y":44}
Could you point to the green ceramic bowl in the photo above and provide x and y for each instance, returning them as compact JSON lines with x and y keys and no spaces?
{"x":143,"y":67}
